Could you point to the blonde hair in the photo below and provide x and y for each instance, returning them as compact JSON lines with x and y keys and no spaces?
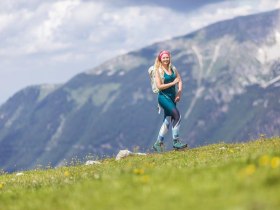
{"x":158,"y":65}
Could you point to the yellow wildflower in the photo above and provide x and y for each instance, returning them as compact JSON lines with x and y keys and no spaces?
{"x":1,"y":186}
{"x":275,"y":162}
{"x":264,"y":160}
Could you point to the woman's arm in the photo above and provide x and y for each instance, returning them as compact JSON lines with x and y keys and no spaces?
{"x":180,"y":84}
{"x":180,"y":87}
{"x":161,"y":86}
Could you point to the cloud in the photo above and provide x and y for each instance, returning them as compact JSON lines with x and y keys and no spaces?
{"x":44,"y":34}
{"x":5,"y":20}
{"x":76,"y":25}
{"x":229,"y":9}
{"x":69,"y":36}
{"x":33,"y":31}
{"x":267,"y":4}
{"x":94,"y":25}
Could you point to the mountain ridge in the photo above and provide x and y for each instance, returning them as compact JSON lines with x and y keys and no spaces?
{"x":230,"y":95}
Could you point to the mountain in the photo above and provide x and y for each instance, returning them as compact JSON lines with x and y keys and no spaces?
{"x":230,"y":71}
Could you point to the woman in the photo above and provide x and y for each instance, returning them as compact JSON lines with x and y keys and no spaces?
{"x":167,"y":77}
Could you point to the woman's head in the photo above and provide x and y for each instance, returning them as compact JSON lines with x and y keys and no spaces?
{"x":163,"y":59}
{"x":163,"y":55}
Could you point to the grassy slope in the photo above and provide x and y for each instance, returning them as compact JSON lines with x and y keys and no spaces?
{"x":220,"y":176}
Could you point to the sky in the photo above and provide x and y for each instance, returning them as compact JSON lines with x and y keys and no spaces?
{"x":49,"y":42}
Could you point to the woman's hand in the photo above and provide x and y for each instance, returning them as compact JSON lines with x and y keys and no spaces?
{"x":178,"y":96}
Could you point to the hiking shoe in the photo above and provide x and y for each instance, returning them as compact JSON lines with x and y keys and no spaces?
{"x":177,"y":144}
{"x":158,"y":146}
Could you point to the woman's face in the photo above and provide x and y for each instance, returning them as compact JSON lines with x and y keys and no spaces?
{"x":165,"y":59}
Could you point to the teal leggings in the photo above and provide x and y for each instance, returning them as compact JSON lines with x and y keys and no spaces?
{"x":170,"y":109}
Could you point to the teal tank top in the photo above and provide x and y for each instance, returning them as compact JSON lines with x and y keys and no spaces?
{"x":171,"y":91}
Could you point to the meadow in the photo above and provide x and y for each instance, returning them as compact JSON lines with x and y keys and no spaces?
{"x":240,"y":176}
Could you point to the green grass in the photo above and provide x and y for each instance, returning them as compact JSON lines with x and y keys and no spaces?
{"x":220,"y":176}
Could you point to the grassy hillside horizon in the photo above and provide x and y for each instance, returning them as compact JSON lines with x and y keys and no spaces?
{"x":218,"y":176}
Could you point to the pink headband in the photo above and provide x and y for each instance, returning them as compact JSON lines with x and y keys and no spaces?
{"x":162,"y":53}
